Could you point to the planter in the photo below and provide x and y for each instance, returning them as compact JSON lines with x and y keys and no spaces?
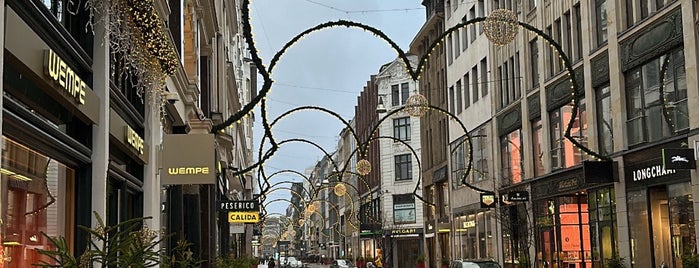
{"x":420,"y":265}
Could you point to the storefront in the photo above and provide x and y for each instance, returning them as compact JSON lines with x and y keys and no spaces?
{"x":660,"y":209}
{"x":474,"y":233}
{"x":48,"y":112}
{"x":574,"y":219}
{"x":405,"y":246}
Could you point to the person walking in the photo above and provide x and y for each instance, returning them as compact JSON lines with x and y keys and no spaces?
{"x":270,"y":264}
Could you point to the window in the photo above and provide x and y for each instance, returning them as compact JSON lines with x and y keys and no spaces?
{"x":401,"y":128}
{"x":467,"y":92}
{"x":563,"y":153}
{"x":481,"y":13}
{"x":475,"y":86}
{"x":403,"y":208}
{"x":405,"y":92}
{"x":472,"y":15}
{"x":511,"y":145}
{"x":532,"y":4}
{"x":39,"y":191}
{"x":537,"y":147}
{"x":479,"y":155}
{"x":404,"y":167}
{"x":567,"y":42}
{"x":395,"y":95}
{"x":450,"y":55}
{"x":637,"y":10}
{"x":452,"y":101}
{"x":68,"y":14}
{"x":534,"y":61}
{"x":601,"y":21}
{"x":459,"y":105}
{"x":605,"y":129}
{"x":464,"y":36}
{"x":457,"y":40}
{"x":652,"y":116}
{"x":577,"y":53}
{"x":484,"y":77}
{"x":550,"y":54}
{"x":479,"y":138}
{"x":557,"y":36}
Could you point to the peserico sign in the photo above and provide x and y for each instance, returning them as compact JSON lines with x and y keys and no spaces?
{"x":518,"y":196}
{"x":246,"y":205}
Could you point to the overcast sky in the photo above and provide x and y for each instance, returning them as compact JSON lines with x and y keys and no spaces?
{"x":327,"y":69}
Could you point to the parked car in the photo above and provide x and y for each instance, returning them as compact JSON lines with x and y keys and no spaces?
{"x":342,"y":264}
{"x":292,"y":262}
{"x":474,"y":264}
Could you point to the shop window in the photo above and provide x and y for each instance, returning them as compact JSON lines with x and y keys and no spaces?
{"x":403,"y":209}
{"x":511,"y":147}
{"x":564,"y":154}
{"x":603,"y":229}
{"x":652,"y":115}
{"x":601,"y":22}
{"x":563,"y":232}
{"x":40,"y":192}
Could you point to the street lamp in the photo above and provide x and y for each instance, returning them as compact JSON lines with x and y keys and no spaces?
{"x":380,"y":108}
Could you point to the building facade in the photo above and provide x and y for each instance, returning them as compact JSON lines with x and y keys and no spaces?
{"x":82,"y":135}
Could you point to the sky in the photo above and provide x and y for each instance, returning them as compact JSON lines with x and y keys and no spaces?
{"x":328,"y":69}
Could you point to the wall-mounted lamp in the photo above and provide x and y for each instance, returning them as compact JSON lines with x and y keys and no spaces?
{"x":380,"y":108}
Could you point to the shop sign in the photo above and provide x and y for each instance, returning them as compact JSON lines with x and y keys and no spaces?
{"x":469,"y":224}
{"x":133,"y":139}
{"x":678,"y":158}
{"x":245,"y":205}
{"x":188,"y":159}
{"x":488,"y":200}
{"x":518,"y":196}
{"x":243,"y":217}
{"x":61,"y":74}
{"x":651,"y":172}
{"x":568,"y":184}
{"x":598,"y":171}
{"x":406,"y":231}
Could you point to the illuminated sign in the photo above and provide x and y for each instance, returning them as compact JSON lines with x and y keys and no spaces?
{"x":133,"y":139}
{"x":188,"y":171}
{"x":188,"y":159}
{"x":64,"y":76}
{"x":488,"y":200}
{"x":244,"y":217}
{"x":469,"y":224}
{"x":246,"y":205}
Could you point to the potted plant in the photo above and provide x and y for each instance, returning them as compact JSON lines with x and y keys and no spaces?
{"x":420,"y":261}
{"x":359,"y":262}
{"x":617,"y":262}
{"x":445,"y":262}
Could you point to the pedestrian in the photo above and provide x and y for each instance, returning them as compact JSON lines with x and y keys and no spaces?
{"x":271,"y":263}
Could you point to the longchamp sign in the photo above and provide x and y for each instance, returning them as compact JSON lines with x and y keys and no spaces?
{"x":188,"y":159}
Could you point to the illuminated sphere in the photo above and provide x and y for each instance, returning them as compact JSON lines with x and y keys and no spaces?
{"x":292,"y":233}
{"x":501,"y":26}
{"x":340,"y":189}
{"x":302,"y":221}
{"x":311,"y":208}
{"x":416,"y":105}
{"x":363,"y":167}
{"x":316,"y":204}
{"x":307,"y":214}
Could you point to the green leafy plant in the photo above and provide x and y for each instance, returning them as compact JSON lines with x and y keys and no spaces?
{"x":420,"y":258}
{"x":690,"y":260}
{"x":445,"y":261}
{"x":616,"y":262}
{"x":228,"y":261}
{"x":127,"y":244}
{"x":182,"y":256}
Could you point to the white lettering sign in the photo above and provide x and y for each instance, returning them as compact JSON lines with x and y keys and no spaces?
{"x":651,"y":172}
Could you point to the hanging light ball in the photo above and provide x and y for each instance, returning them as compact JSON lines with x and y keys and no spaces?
{"x":363,"y":167}
{"x":316,"y":204}
{"x":292,"y":233}
{"x":416,"y":105}
{"x":501,"y":26}
{"x":340,"y":189}
{"x":311,"y":208}
{"x":301,"y":222}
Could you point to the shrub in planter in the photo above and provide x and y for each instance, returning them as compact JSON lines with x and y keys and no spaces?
{"x":420,"y":261}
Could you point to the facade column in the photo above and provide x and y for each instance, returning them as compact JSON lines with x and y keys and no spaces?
{"x":691,"y":58}
{"x":100,"y":131}
{"x":151,"y":178}
{"x":3,"y":206}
